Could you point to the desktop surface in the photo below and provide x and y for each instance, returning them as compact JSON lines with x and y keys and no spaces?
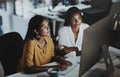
{"x":56,"y":12}
{"x":73,"y":73}
{"x":70,"y":72}
{"x":75,"y":61}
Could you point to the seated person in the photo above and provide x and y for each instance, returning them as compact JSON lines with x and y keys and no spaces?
{"x":38,"y":48}
{"x":71,"y":34}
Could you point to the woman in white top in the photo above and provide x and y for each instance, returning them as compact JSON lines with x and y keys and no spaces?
{"x":71,"y":35}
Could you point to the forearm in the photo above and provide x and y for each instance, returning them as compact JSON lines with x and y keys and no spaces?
{"x":67,"y":50}
{"x":36,"y":69}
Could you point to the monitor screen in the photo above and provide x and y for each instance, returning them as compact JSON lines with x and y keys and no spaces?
{"x":94,"y":38}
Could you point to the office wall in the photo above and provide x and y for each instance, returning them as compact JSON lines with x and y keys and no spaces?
{"x":12,"y":23}
{"x":5,"y":21}
{"x":19,"y":25}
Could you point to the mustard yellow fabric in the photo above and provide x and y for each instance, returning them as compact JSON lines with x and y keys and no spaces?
{"x":33,"y":55}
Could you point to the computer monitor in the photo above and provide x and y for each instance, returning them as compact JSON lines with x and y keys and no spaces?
{"x":95,"y":46}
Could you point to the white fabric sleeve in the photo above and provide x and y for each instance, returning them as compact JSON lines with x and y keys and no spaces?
{"x":61,"y":38}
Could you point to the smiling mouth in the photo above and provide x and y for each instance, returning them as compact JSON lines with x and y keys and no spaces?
{"x":48,"y":32}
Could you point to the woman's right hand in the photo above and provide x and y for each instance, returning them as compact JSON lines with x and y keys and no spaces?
{"x":68,"y":63}
{"x":65,"y":62}
{"x":62,"y":67}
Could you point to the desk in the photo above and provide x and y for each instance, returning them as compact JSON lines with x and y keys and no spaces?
{"x":73,"y":73}
{"x":53,"y":13}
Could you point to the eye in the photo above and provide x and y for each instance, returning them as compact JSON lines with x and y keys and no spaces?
{"x":79,"y":18}
{"x":44,"y":26}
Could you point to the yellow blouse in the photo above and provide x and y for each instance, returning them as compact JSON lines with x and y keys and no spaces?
{"x":33,"y":55}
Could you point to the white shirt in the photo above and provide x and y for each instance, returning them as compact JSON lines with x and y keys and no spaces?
{"x":66,"y":36}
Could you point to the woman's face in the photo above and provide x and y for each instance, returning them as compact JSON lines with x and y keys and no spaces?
{"x":44,"y":28}
{"x":76,"y":20}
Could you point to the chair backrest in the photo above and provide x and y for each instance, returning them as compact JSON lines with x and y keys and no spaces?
{"x":101,"y":4}
{"x":10,"y":51}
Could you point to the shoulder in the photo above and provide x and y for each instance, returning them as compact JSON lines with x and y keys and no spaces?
{"x":64,"y":28}
{"x":49,"y":39}
{"x":84,"y":25}
{"x":30,"y":42}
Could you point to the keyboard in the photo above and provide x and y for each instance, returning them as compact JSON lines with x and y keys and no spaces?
{"x":68,"y":69}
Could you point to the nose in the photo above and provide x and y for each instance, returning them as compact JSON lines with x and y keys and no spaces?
{"x":76,"y":20}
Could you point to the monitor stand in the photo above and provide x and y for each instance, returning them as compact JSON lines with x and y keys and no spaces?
{"x":98,"y":72}
{"x":108,"y":62}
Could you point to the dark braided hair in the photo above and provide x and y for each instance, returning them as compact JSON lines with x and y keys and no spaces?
{"x":71,"y":11}
{"x":33,"y":24}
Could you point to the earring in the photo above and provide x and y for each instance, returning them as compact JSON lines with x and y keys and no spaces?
{"x":37,"y":36}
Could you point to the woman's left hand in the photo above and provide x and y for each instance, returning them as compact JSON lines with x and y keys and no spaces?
{"x":78,"y":53}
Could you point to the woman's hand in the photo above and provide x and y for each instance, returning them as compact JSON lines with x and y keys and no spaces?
{"x":68,"y":63}
{"x":78,"y":53}
{"x":62,"y":67}
{"x":62,"y":61}
{"x":67,"y":50}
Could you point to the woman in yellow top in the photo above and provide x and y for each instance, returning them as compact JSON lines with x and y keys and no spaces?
{"x":39,"y":48}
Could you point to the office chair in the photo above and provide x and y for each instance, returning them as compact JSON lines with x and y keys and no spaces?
{"x":115,"y":38}
{"x":99,"y":9}
{"x":10,"y":51}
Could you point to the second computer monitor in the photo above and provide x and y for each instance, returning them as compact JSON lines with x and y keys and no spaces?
{"x":94,"y":39}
